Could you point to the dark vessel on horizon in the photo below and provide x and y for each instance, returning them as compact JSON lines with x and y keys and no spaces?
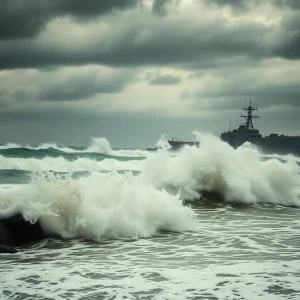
{"x":273,"y":143}
{"x":270,"y":144}
{"x":176,"y":145}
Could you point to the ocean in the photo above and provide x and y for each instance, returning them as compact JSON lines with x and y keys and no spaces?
{"x":202,"y":223}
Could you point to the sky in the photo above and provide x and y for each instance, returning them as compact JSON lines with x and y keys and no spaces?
{"x":131,"y":70}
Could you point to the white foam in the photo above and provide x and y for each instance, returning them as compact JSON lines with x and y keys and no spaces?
{"x":101,"y":205}
{"x":163,"y":143}
{"x":233,"y":254}
{"x":237,"y":174}
{"x":240,"y":175}
{"x":60,"y":164}
{"x":102,"y":145}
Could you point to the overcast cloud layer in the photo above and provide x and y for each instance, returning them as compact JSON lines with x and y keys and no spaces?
{"x":131,"y":70}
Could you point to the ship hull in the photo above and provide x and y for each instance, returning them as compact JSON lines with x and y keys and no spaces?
{"x":177,"y":145}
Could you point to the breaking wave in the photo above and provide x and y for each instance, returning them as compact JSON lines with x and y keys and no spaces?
{"x":96,"y":207}
{"x":133,"y":205}
{"x":237,"y":175}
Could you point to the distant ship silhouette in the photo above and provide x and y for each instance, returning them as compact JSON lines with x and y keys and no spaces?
{"x":270,"y":144}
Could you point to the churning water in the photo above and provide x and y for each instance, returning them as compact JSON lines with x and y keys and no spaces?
{"x":203,"y":223}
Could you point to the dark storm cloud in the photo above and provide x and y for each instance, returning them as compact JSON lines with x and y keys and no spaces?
{"x":290,"y":47}
{"x":160,"y":7}
{"x":144,"y":41}
{"x":23,"y":19}
{"x":246,"y":4}
{"x":294,"y":4}
{"x":89,"y":8}
{"x":66,"y":84}
{"x":165,"y":80}
{"x":82,"y":87}
{"x":237,"y":4}
{"x":173,"y":43}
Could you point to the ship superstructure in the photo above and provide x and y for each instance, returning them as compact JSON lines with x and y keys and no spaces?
{"x":273,"y":143}
{"x":270,"y":144}
{"x":245,"y":132}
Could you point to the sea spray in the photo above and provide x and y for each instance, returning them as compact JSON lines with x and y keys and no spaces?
{"x":163,"y":143}
{"x":238,"y":175}
{"x":60,"y":164}
{"x":100,"y":145}
{"x":103,"y":146}
{"x":99,"y":206}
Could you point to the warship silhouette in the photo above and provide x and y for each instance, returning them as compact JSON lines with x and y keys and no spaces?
{"x":270,"y":144}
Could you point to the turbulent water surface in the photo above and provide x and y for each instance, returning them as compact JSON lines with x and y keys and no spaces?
{"x":203,"y":223}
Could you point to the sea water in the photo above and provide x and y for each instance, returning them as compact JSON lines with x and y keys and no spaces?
{"x":203,"y":223}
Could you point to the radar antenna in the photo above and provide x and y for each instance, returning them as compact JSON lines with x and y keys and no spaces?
{"x":249,"y":116}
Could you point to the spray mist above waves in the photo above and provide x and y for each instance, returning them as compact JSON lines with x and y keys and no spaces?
{"x":102,"y":145}
{"x":163,"y":143}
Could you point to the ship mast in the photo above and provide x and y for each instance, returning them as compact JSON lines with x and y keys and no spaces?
{"x":249,"y":116}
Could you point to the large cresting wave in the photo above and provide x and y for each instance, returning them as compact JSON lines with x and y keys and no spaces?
{"x":237,"y":175}
{"x":98,"y":206}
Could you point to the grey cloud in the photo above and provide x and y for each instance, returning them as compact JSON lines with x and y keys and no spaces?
{"x":290,"y":46}
{"x":22,"y":18}
{"x":292,"y":3}
{"x":88,"y":8}
{"x":234,"y":97}
{"x":165,"y":80}
{"x":237,"y":4}
{"x":290,"y":50}
{"x":270,"y":94}
{"x":160,"y":7}
{"x":26,"y":19}
{"x":241,"y":5}
{"x":168,"y":43}
{"x":271,"y":83}
{"x":82,"y":87}
{"x":61,"y":85}
{"x":4,"y":101}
